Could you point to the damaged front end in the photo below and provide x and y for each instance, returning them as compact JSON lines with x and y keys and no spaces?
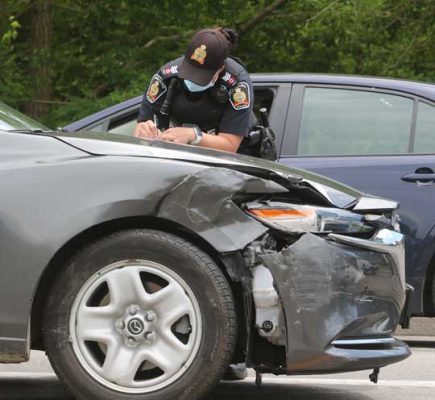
{"x":322,"y":271}
{"x":332,"y":301}
{"x":329,"y":285}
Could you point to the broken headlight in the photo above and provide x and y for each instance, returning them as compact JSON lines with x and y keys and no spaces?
{"x":295,"y":218}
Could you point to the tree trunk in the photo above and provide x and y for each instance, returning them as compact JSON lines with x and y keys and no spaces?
{"x":40,"y":62}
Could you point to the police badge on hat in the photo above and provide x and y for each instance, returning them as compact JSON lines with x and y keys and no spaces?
{"x":240,"y":97}
{"x":156,"y":88}
{"x":199,"y":54}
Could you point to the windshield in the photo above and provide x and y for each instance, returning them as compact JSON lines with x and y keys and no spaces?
{"x":11,"y":119}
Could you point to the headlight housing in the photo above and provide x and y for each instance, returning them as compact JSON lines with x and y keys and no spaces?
{"x":296,"y":218}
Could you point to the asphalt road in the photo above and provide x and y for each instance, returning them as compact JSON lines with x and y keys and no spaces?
{"x":413,"y":379}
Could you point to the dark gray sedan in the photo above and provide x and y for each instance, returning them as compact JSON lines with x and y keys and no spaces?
{"x":145,"y":268}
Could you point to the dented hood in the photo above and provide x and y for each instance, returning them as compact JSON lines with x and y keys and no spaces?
{"x":335,"y":193}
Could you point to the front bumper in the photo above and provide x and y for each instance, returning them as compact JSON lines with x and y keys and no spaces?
{"x":359,"y":354}
{"x":338,"y":289}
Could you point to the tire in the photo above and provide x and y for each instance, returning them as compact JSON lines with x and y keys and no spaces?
{"x":140,"y":314}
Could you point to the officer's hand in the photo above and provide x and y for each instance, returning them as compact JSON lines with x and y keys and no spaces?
{"x":147,"y":129}
{"x":178,"y":135}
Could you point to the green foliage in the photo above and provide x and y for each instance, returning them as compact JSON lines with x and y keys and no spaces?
{"x":10,"y":79}
{"x":10,"y":35}
{"x":103,"y":52}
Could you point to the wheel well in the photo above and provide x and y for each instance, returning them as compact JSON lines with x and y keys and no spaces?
{"x":99,"y":231}
{"x":428,"y":294}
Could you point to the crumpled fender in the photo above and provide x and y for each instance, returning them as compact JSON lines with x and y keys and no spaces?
{"x":203,"y":203}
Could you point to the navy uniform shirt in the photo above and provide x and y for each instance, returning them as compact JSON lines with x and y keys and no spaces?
{"x":226,"y":107}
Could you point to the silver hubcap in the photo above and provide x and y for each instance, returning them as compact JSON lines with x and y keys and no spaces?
{"x":135,"y":326}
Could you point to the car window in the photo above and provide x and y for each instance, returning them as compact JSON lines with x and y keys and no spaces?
{"x":425,"y":129}
{"x":125,"y":128}
{"x":97,"y":128}
{"x":263,"y":98}
{"x":354,"y":122}
{"x":11,"y":119}
{"x":124,"y":124}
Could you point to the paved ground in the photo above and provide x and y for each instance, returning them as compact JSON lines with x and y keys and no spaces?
{"x":413,"y":379}
{"x":419,"y":327}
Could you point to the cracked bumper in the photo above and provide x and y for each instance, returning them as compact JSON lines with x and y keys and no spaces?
{"x":341,"y":290}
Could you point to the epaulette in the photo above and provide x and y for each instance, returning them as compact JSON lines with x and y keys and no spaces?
{"x":239,"y":61}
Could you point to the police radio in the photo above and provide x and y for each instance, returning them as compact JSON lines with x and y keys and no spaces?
{"x":166,"y":107}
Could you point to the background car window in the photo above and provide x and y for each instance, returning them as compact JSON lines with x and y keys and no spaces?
{"x":263,"y":98}
{"x":352,"y":122}
{"x":125,"y":123}
{"x":126,"y":128}
{"x":97,"y":128}
{"x":425,"y":129}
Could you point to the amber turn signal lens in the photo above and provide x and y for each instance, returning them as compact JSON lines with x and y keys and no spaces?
{"x":268,"y":213}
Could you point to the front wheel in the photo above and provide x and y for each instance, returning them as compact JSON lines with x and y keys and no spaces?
{"x":140,"y":315}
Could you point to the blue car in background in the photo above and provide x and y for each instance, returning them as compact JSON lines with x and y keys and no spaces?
{"x":377,"y":135}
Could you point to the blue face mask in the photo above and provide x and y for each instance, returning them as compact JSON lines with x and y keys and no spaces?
{"x":193,"y":87}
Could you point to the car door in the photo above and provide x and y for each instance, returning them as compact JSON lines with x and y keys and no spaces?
{"x":378,"y":141}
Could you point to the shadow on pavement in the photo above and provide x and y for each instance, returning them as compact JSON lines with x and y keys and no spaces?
{"x":33,"y":389}
{"x":279,"y":391}
{"x":50,"y":389}
{"x":429,"y":344}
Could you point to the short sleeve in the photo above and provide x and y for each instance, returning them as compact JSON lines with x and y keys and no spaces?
{"x":238,"y":117}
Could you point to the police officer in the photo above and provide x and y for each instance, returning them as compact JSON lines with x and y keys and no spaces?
{"x":209,"y":96}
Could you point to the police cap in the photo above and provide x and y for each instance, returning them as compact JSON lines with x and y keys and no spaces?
{"x":205,"y":54}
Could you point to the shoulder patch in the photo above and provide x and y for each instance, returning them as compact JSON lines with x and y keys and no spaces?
{"x":240,"y":97}
{"x":156,"y":88}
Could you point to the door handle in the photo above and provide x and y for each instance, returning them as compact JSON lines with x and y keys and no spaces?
{"x":427,"y":179}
